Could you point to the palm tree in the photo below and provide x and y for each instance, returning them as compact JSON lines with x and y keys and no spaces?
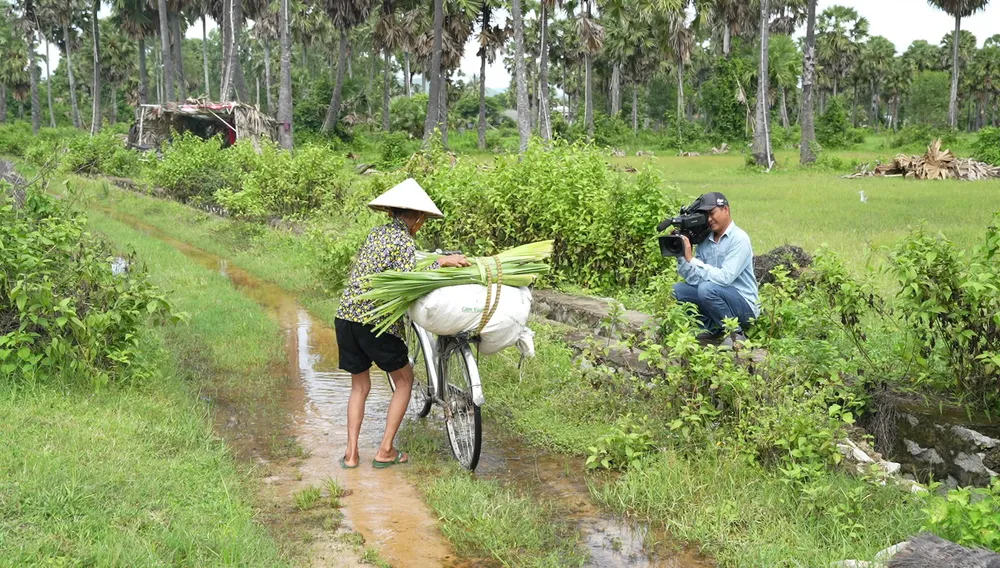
{"x":521,"y":77}
{"x":897,"y":82}
{"x":985,"y":78}
{"x":591,"y":40}
{"x":922,"y":56}
{"x":546,"y":7}
{"x":43,"y":29}
{"x":346,"y":14}
{"x":118,"y":60}
{"x":265,"y":30}
{"x":491,"y":38}
{"x":838,"y":45}
{"x":412,"y":25}
{"x":285,"y":87}
{"x":13,"y":64}
{"x":434,"y":93}
{"x":877,"y":57}
{"x":138,"y":21}
{"x":387,"y":38}
{"x":958,"y":9}
{"x":165,"y":56}
{"x":784,"y":63}
{"x":762,"y":133}
{"x":23,"y":15}
{"x":678,"y":44}
{"x":807,"y":114}
{"x":95,"y":94}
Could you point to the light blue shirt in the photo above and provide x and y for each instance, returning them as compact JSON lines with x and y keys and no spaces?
{"x":728,"y":262}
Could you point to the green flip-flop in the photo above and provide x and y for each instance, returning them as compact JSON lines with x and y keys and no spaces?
{"x":397,"y":460}
{"x":343,"y":463}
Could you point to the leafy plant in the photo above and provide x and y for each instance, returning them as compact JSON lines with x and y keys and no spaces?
{"x":968,"y":516}
{"x":195,"y":168}
{"x":63,"y":311}
{"x":103,"y":153}
{"x":307,"y":498}
{"x":624,"y":447}
{"x":833,"y":127}
{"x":987,"y":147}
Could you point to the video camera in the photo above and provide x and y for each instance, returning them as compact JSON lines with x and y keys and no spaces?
{"x":692,"y":223}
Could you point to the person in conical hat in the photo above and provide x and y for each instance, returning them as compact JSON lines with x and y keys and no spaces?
{"x":388,"y":247}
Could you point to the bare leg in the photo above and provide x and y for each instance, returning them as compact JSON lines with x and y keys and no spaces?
{"x":360,"y":385}
{"x":397,"y":408}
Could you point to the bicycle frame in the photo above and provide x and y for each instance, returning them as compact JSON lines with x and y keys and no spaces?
{"x":437,"y":353}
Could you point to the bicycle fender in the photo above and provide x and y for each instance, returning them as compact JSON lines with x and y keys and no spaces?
{"x":477,"y":387}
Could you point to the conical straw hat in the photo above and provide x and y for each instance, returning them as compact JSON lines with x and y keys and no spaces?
{"x":406,"y":195}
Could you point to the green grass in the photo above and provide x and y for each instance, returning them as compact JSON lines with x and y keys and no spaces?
{"x":745,"y":516}
{"x":483,"y":518}
{"x":816,"y":207}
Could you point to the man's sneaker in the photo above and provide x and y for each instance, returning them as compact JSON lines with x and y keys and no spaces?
{"x":707,"y":337}
{"x":734,"y":340}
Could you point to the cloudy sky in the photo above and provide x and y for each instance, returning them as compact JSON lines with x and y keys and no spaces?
{"x":901,"y":21}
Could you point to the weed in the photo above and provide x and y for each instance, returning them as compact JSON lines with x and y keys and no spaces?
{"x":307,"y":498}
{"x":372,"y":556}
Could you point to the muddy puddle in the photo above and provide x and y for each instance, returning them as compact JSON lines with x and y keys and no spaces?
{"x":383,"y":507}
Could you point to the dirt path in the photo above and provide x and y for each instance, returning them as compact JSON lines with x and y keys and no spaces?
{"x":382,"y":506}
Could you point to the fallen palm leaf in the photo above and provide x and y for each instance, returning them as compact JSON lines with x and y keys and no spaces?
{"x":935,"y":164}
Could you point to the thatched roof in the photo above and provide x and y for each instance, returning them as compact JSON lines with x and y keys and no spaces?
{"x":234,"y":120}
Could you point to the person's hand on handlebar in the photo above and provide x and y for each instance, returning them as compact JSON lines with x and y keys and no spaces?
{"x":453,"y":260}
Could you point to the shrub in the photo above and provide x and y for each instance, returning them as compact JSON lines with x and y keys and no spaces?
{"x":923,"y":135}
{"x":987,"y":147}
{"x":602,"y":221}
{"x":195,"y":168}
{"x":407,"y":114}
{"x":968,"y":516}
{"x":63,"y":311}
{"x":15,"y":138}
{"x":104,"y":153}
{"x":833,"y":129}
{"x":276,"y":184}
{"x":394,"y":149}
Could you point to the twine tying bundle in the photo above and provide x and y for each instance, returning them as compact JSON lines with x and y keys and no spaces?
{"x":490,"y":309}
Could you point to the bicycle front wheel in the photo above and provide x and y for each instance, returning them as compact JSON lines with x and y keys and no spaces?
{"x":420,"y":396}
{"x":462,"y":417}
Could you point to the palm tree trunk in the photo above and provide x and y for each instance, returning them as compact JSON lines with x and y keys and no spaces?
{"x":257,"y":95}
{"x":238,"y":78}
{"x":267,"y":76}
{"x":387,"y":60}
{"x":285,"y":89}
{"x":588,"y":98}
{"x":114,"y":104}
{"x":784,"y":109}
{"x":635,"y":107}
{"x":333,"y":111}
{"x":168,"y":67}
{"x":48,"y":85}
{"x":143,"y":75}
{"x":156,"y":76}
{"x":373,"y":63}
{"x":3,"y":103}
{"x":69,"y":73}
{"x":407,"y":78}
{"x":953,"y":101}
{"x":876,"y":121}
{"x":616,"y":89}
{"x":435,"y":72}
{"x":443,"y":109}
{"x":835,"y":85}
{"x":854,"y":108}
{"x":204,"y":56}
{"x":36,"y":111}
{"x":726,"y":40}
{"x":95,"y":115}
{"x":806,"y":115}
{"x":544,"y":113}
{"x":680,"y":99}
{"x":762,"y":133}
{"x":482,"y":101}
{"x":175,"y":25}
{"x":521,"y":73}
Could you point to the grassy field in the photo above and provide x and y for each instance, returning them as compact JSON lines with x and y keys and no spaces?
{"x":817,"y":207}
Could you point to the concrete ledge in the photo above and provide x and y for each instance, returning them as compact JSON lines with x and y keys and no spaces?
{"x":586,"y":312}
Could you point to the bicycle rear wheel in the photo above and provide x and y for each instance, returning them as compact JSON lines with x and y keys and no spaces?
{"x":462,"y":417}
{"x":420,"y":396}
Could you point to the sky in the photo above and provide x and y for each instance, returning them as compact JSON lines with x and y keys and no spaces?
{"x":901,"y":21}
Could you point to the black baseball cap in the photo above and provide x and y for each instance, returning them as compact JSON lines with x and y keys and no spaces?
{"x":711,"y":200}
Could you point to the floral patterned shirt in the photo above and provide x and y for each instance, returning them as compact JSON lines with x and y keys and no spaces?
{"x":388,"y":247}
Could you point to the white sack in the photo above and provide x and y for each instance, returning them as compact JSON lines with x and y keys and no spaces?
{"x":454,"y":309}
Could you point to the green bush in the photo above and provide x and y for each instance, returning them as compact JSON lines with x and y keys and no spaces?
{"x":276,"y":184}
{"x":195,"y":168}
{"x":968,"y":516}
{"x":104,"y":153}
{"x":833,"y":128}
{"x":394,"y":149}
{"x":987,"y":147}
{"x":63,"y":312}
{"x":603,"y":222}
{"x":15,"y":138}
{"x":923,"y":135}
{"x":407,"y":114}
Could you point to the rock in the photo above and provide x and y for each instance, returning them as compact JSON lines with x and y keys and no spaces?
{"x":892,"y":468}
{"x":929,"y":551}
{"x":912,"y":420}
{"x":972,"y":464}
{"x":883,"y":556}
{"x":928,"y":455}
{"x":981,"y":440}
{"x":992,"y":459}
{"x":790,"y":257}
{"x":950,"y":483}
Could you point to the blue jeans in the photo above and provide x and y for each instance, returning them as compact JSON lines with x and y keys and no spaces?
{"x":715,"y":303}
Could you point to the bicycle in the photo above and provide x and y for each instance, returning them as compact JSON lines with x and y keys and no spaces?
{"x":448,"y":361}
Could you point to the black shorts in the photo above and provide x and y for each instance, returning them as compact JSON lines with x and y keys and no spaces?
{"x":359,"y":348}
